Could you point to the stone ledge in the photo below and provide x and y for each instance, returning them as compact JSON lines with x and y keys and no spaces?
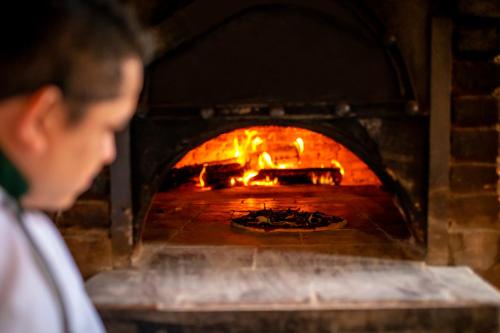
{"x":431,"y":320}
{"x":205,"y":289}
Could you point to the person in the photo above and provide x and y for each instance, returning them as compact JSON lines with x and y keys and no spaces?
{"x":71,"y":73}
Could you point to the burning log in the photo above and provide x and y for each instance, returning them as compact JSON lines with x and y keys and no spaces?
{"x":181,"y":176}
{"x":223,"y":175}
{"x":302,"y":176}
{"x":215,"y":175}
{"x":219,"y":176}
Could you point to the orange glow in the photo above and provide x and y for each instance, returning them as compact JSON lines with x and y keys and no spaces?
{"x":277,"y":147}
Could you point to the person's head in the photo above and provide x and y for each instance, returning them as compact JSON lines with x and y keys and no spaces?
{"x":71,"y":73}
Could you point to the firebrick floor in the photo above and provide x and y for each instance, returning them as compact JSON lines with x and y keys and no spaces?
{"x":193,"y":217}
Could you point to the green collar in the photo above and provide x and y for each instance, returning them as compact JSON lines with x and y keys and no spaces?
{"x":11,"y":179}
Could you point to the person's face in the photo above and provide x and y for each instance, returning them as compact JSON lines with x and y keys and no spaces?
{"x":73,"y":154}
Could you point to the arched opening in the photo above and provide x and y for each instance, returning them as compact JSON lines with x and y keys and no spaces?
{"x":288,"y":63}
{"x":274,"y":176}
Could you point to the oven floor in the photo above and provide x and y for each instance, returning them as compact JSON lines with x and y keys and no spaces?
{"x":194,"y":217}
{"x":247,"y":289}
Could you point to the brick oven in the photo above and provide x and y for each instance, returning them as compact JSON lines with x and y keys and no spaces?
{"x":383,"y":114}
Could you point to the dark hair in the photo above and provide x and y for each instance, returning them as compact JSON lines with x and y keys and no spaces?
{"x":76,"y":45}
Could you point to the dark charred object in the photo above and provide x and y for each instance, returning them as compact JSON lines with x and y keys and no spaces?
{"x":289,"y":220}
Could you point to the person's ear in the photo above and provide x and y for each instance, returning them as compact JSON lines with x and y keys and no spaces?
{"x":41,"y":106}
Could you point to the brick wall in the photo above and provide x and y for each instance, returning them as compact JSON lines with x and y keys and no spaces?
{"x":474,"y":227}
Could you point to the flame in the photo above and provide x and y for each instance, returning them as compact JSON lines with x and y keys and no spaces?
{"x":245,"y":180}
{"x":249,"y":153}
{"x":322,"y":180}
{"x":266,"y":182}
{"x":242,"y":150}
{"x":256,"y":142}
{"x":248,"y":175}
{"x":202,"y":176}
{"x":299,"y":144}
{"x":237,"y":152}
{"x":266,"y":161}
{"x":276,"y":147}
{"x":338,"y":165}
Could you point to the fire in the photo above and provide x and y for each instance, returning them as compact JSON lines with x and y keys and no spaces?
{"x":338,"y":165}
{"x":250,"y":154}
{"x":256,"y":142}
{"x":270,"y":155}
{"x":299,"y":144}
{"x":247,"y":176}
{"x":266,"y":182}
{"x":243,"y":150}
{"x":202,"y":176}
{"x":322,"y":179}
{"x":266,"y":161}
{"x":246,"y":180}
{"x":245,"y":153}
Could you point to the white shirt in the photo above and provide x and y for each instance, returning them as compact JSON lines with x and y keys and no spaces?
{"x":27,"y":303}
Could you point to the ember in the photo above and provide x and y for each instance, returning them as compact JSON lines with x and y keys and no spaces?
{"x":290,"y":220}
